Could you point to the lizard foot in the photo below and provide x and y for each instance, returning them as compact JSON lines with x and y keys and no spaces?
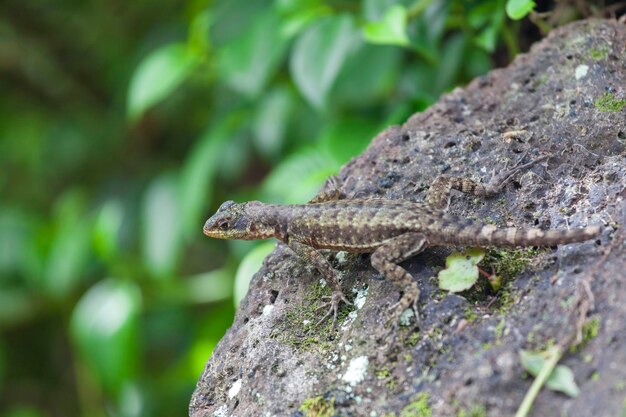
{"x":506,"y":176}
{"x":335,"y":299}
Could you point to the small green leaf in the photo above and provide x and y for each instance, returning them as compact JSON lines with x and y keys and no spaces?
{"x":70,"y":246}
{"x":518,"y":9}
{"x":452,"y":62}
{"x":296,"y":15}
{"x":271,"y":119}
{"x":199,"y":38}
{"x":391,"y":30}
{"x":247,"y":62}
{"x":209,"y":287}
{"x":481,"y":13}
{"x":487,"y":38}
{"x":347,"y":138}
{"x":106,"y":229}
{"x":375,"y":9}
{"x":478,"y":63}
{"x":195,"y":188}
{"x":561,"y":379}
{"x":298,"y":177}
{"x":158,"y":75}
{"x":249,"y":266}
{"x":318,"y":55}
{"x":16,"y":232}
{"x":461,"y":271}
{"x":161,"y":237}
{"x":368,"y":76}
{"x":105,"y":329}
{"x":430,"y":28}
{"x":132,"y":401}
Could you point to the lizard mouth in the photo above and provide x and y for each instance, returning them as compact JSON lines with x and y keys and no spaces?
{"x":209,"y":231}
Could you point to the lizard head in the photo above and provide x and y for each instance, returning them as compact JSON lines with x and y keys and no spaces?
{"x":237,"y":221}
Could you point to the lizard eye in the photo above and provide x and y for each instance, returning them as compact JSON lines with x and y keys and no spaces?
{"x":223,"y":225}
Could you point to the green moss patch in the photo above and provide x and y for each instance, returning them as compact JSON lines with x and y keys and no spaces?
{"x":475,"y":411}
{"x":509,"y":262}
{"x":318,"y":407}
{"x":590,"y":331}
{"x":300,"y":327}
{"x":598,"y":54}
{"x":608,"y":103}
{"x":418,"y":407}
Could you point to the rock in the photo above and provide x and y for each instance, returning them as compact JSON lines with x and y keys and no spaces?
{"x":561,"y":98}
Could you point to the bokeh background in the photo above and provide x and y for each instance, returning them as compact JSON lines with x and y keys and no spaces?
{"x":124,"y":125}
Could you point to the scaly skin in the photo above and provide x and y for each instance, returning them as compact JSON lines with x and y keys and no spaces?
{"x":392,"y":230}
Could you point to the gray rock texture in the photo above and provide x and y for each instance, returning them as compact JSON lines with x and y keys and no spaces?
{"x":566,"y":97}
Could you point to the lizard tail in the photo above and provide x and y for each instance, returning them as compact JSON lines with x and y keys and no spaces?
{"x":490,"y":235}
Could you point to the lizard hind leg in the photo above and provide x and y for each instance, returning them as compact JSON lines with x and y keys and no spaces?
{"x":385,"y":260}
{"x":439,"y":193}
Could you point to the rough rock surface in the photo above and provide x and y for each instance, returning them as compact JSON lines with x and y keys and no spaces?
{"x":565,"y":97}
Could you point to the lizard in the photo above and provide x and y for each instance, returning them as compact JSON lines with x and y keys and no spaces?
{"x":391,"y":230}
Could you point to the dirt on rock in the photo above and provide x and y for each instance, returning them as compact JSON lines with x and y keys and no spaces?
{"x":566,"y":98}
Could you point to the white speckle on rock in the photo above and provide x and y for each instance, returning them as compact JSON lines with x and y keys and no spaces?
{"x":581,"y":71}
{"x":405,"y":317}
{"x":348,"y":347}
{"x":267,"y":309}
{"x":234,"y":390}
{"x":356,"y":370}
{"x":361,"y":296}
{"x":341,"y":257}
{"x":306,"y":322}
{"x":322,"y":282}
{"x":221,"y":412}
{"x":348,"y":321}
{"x":334,"y":357}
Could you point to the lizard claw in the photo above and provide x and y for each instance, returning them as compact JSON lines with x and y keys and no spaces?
{"x":335,"y":299}
{"x":506,"y":176}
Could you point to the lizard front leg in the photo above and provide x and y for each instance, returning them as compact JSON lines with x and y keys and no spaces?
{"x":439,"y":193}
{"x":312,"y":256}
{"x":386,"y":258}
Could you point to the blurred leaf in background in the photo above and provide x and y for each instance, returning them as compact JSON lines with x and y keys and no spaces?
{"x":123,"y":126}
{"x":158,"y":75}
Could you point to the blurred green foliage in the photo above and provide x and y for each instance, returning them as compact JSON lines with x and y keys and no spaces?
{"x":123,"y":125}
